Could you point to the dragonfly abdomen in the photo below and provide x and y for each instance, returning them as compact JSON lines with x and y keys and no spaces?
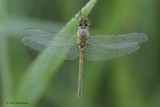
{"x":81,"y":51}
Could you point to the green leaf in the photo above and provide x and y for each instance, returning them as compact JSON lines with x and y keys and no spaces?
{"x":34,"y":83}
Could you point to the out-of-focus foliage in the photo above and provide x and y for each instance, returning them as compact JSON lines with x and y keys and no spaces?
{"x":128,"y":81}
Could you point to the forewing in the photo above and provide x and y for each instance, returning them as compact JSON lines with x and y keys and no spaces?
{"x":110,"y":39}
{"x":104,"y":47}
{"x":62,"y":43}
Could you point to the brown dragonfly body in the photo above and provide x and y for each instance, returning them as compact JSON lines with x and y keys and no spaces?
{"x":82,"y":42}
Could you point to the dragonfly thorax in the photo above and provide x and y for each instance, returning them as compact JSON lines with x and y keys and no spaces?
{"x":82,"y":38}
{"x":83,"y":32}
{"x":82,"y":42}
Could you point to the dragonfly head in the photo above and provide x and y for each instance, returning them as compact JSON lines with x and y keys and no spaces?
{"x":83,"y":22}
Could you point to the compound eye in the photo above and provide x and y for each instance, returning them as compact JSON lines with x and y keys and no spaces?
{"x":86,"y":24}
{"x":80,"y":24}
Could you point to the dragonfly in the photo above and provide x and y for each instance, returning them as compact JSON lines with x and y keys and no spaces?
{"x":82,"y":45}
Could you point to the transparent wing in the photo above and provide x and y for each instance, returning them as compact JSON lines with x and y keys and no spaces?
{"x":104,"y":47}
{"x":62,"y":43}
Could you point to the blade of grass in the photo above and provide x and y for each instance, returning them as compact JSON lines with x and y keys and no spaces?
{"x":37,"y":77}
{"x":5,"y":71}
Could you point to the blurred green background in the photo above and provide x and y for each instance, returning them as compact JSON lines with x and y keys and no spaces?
{"x":129,"y":81}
